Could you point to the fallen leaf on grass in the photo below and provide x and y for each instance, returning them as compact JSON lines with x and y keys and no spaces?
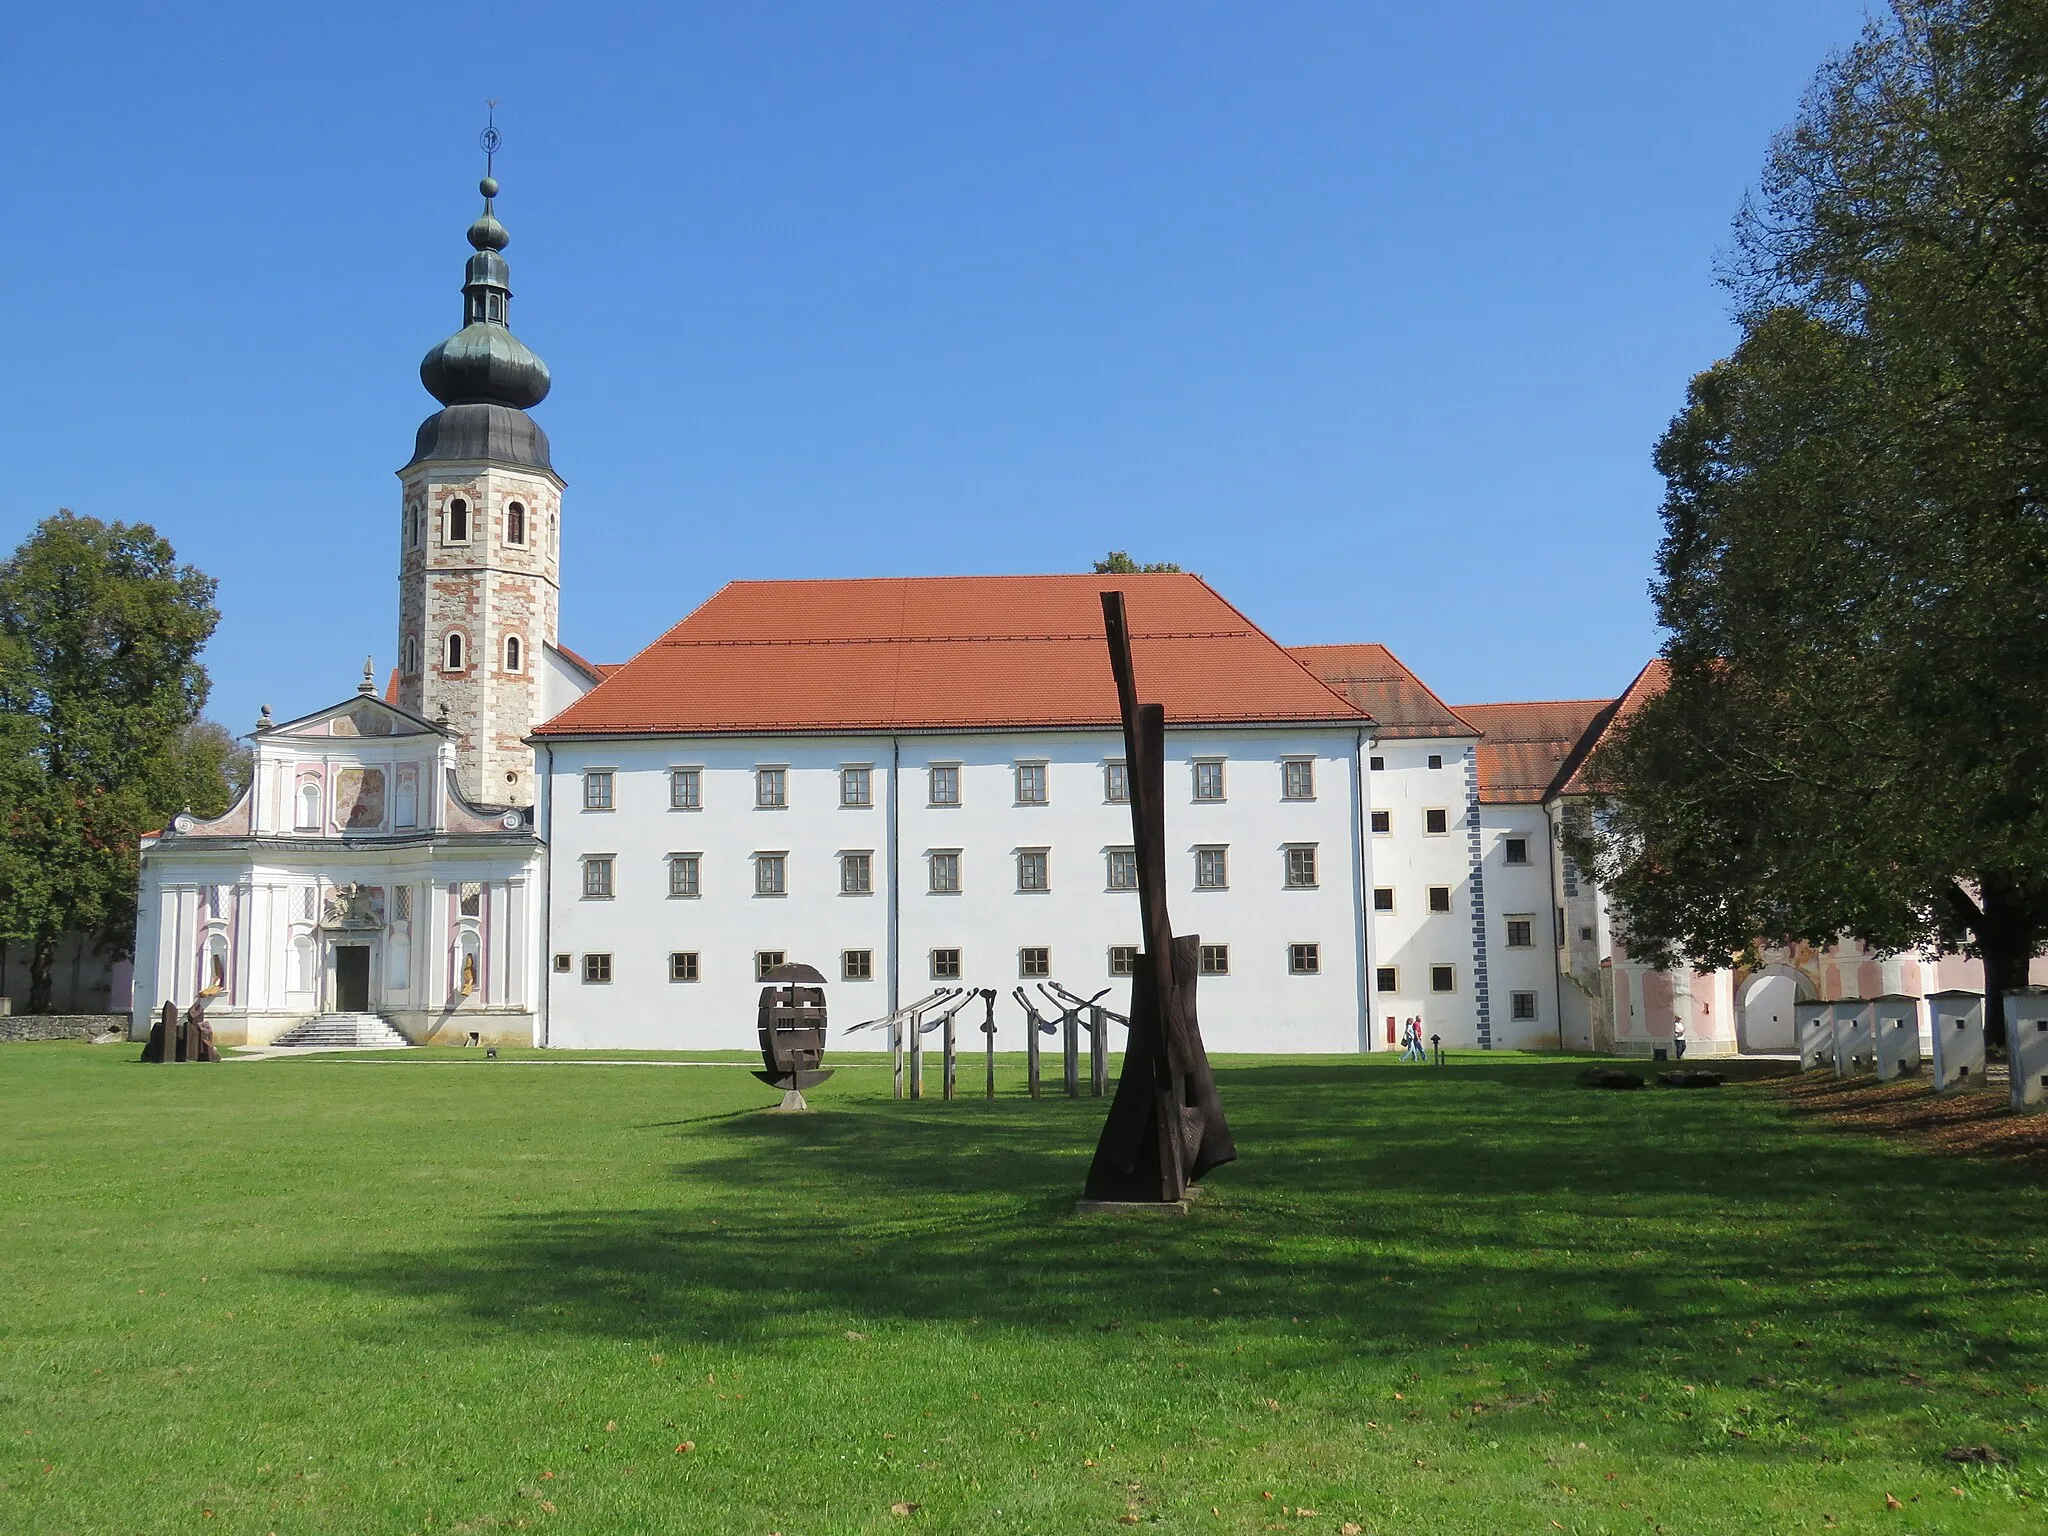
{"x":546,"y":1475}
{"x":1892,"y":1503}
{"x":1304,"y":1514}
{"x":1126,"y":1519}
{"x":546,"y":1506}
{"x":610,"y":1425}
{"x":1350,"y":1528}
{"x":686,"y":1447}
{"x":854,"y":1338}
{"x":1977,"y":1453}
{"x":1087,"y":1461}
{"x":905,"y":1508}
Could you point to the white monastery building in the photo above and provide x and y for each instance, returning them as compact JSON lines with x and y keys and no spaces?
{"x":907,"y":783}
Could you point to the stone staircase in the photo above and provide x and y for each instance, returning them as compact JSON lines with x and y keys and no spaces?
{"x":332,"y":1031}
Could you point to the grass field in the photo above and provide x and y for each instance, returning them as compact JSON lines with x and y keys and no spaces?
{"x":441,"y":1295}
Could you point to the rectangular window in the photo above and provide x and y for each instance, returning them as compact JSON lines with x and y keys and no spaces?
{"x":1439,"y":898}
{"x":856,"y":787}
{"x":1443,"y":978}
{"x":686,"y":789}
{"x":1116,"y":781}
{"x":1375,"y":765}
{"x":1031,"y":784}
{"x":771,"y":874}
{"x":771,"y":788}
{"x":597,"y":876}
{"x":1383,"y":898}
{"x":1304,"y":959}
{"x":1522,"y":1005}
{"x":856,"y":965}
{"x":766,"y":960}
{"x":1033,"y":869}
{"x":1517,"y":850}
{"x":682,"y":965}
{"x":1521,"y":932}
{"x":1386,"y":980}
{"x":1301,"y":867}
{"x":945,"y":965}
{"x":597,"y":789}
{"x":401,"y":904}
{"x":469,"y":895}
{"x":856,"y":874}
{"x":945,"y":868}
{"x":1436,"y":821}
{"x":1585,"y":933}
{"x":1436,"y":760}
{"x":1382,"y":823}
{"x":945,"y":783}
{"x":1208,"y":778}
{"x":682,"y":875}
{"x":1123,"y":869}
{"x":1123,"y":959}
{"x":1212,"y":869}
{"x":562,"y":964}
{"x":597,"y":969}
{"x":1215,"y":959}
{"x":1298,"y":779}
{"x":1034,"y":962}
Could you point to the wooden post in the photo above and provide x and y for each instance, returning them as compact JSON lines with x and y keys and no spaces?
{"x":947,"y":1090}
{"x":988,"y":1029}
{"x":1070,"y":1051}
{"x":916,"y":1056}
{"x":896,"y":1056}
{"x":1098,"y":1053}
{"x":1031,"y":1046}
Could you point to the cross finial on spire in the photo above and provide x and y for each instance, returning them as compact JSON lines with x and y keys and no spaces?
{"x":490,"y":140}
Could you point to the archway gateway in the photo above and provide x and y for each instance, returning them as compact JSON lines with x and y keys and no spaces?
{"x":351,"y":978}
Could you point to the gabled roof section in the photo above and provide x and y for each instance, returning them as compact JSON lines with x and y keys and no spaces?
{"x":934,"y":653}
{"x":1374,"y":680}
{"x":360,"y":714}
{"x":1651,"y":681}
{"x":1526,"y":745}
{"x":595,"y":671}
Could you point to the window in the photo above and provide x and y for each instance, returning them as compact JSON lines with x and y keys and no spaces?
{"x":515,"y":524}
{"x":766,"y":960}
{"x":1116,"y":781}
{"x":454,"y":651}
{"x":771,"y":874}
{"x":1304,"y":959}
{"x":410,"y":655}
{"x":683,"y":876}
{"x":1443,"y":978}
{"x":562,"y":964}
{"x":856,"y":787}
{"x":1382,"y":823}
{"x":597,"y":876}
{"x":1585,"y":933}
{"x":945,"y":783}
{"x":1123,"y":869}
{"x":1375,"y":765}
{"x":307,"y":898}
{"x":1517,"y":850}
{"x":1123,"y":959}
{"x":1215,"y":959}
{"x":1386,"y":980}
{"x":686,"y":789}
{"x":1439,"y":898}
{"x":856,"y":965}
{"x":469,"y":898}
{"x":945,"y":965}
{"x":1298,"y":779}
{"x":458,"y":521}
{"x":405,"y":811}
{"x":1383,"y":898}
{"x":512,"y":653}
{"x":1208,"y":778}
{"x":1034,"y":962}
{"x":857,"y":874}
{"x":1522,"y":1005}
{"x":1033,"y":869}
{"x":682,"y":965}
{"x":1212,"y":869}
{"x":771,"y":789}
{"x":1301,"y":867}
{"x":309,"y":805}
{"x":1031,"y":784}
{"x":1436,"y":760}
{"x":597,"y":969}
{"x":1436,"y":821}
{"x":401,"y":904}
{"x":945,"y":867}
{"x":1520,"y":929}
{"x":597,"y":789}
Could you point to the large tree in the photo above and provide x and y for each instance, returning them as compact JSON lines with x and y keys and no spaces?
{"x":100,"y":691}
{"x":1119,"y":563}
{"x":1854,"y":572}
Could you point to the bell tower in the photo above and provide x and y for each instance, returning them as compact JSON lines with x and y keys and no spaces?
{"x":480,"y":532}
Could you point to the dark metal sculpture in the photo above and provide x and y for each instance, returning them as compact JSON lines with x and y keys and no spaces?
{"x":792,"y":1019}
{"x":1165,"y":1127}
{"x":189,"y":1040}
{"x":162,"y":1044}
{"x":197,"y":1041}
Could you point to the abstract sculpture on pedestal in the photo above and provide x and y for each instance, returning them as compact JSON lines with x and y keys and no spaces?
{"x":1165,"y":1127}
{"x":192,"y":1040}
{"x":792,"y":1022}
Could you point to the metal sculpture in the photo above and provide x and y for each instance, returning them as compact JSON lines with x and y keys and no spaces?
{"x":1090,"y":1012}
{"x":1165,"y":1127}
{"x":1034,"y":1026}
{"x":895,"y":1022}
{"x":792,"y":1019}
{"x":988,"y":1032}
{"x":173,"y":1040}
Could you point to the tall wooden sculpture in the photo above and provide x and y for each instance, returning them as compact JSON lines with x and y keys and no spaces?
{"x":1165,"y":1127}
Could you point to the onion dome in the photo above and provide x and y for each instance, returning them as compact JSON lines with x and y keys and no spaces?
{"x":484,"y":363}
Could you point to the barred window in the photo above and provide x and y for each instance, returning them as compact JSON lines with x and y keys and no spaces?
{"x":471,"y":894}
{"x":1123,"y":869}
{"x":1521,"y":933}
{"x":684,"y":870}
{"x":401,"y":904}
{"x":1522,"y":1005}
{"x":1386,"y":979}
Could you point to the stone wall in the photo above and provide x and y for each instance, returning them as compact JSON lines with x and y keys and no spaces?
{"x":60,"y":1026}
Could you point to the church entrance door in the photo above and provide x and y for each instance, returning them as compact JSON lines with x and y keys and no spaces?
{"x":351,"y":978}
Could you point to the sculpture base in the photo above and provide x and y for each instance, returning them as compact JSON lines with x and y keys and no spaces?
{"x":1130,"y":1207}
{"x":792,"y":1104}
{"x":795,"y":1081}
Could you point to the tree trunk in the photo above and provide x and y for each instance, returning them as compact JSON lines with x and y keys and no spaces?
{"x":2007,"y":937}
{"x":42,"y":968}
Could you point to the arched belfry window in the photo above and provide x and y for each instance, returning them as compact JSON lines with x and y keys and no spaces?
{"x":412,"y":655}
{"x":455,"y":650}
{"x":458,"y":521}
{"x":515,"y":524}
{"x":309,"y":805}
{"x":512,"y":653}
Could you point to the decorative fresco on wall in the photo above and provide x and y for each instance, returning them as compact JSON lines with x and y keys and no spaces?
{"x":359,"y":798}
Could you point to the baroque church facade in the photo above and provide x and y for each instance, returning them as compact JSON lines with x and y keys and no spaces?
{"x":908,"y":783}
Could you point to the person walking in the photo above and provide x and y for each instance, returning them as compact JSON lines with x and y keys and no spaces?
{"x":1678,"y":1039}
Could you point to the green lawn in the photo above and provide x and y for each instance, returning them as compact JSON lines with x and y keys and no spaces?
{"x":441,"y":1295}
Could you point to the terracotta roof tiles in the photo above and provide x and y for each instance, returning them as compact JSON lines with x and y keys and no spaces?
{"x":1375,"y":680}
{"x":1526,"y":745}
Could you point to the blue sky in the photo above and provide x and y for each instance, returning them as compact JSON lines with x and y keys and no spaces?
{"x":1369,"y":313}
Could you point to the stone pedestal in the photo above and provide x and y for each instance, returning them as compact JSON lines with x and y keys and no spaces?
{"x":1958,"y":1040}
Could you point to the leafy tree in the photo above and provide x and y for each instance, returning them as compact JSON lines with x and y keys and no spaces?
{"x":1119,"y":563}
{"x":1856,"y":534}
{"x":100,"y":687}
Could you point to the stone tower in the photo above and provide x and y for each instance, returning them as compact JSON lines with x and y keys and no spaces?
{"x":480,"y":536}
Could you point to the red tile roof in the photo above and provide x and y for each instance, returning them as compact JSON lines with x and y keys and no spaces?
{"x":1374,"y":679}
{"x":947,"y":652}
{"x":1525,"y":745}
{"x":1649,"y":682}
